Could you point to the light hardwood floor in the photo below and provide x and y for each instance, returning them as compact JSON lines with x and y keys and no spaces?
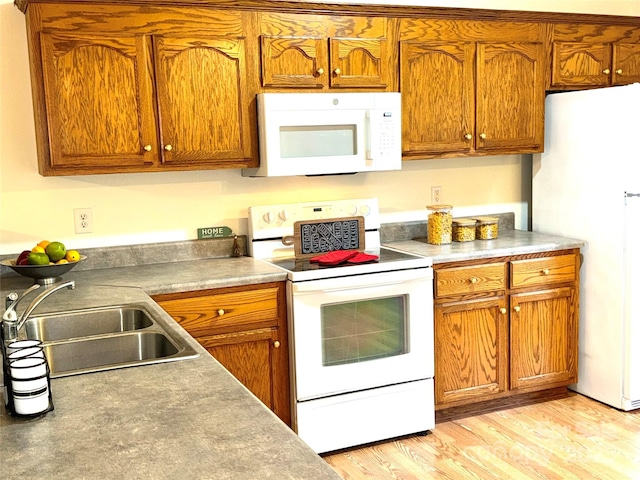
{"x":567,"y":438}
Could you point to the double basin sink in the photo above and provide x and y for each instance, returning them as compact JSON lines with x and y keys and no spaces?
{"x":105,"y":338}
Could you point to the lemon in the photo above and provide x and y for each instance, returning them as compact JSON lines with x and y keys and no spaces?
{"x":38,"y":249}
{"x":55,"y":251}
{"x":61,"y":261}
{"x":72,"y":255}
{"x":38,"y":258}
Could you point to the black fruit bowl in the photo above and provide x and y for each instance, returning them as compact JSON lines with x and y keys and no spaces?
{"x":42,"y":274}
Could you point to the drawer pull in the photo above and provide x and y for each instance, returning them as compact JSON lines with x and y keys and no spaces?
{"x":320,"y":71}
{"x":503,"y":310}
{"x":221,"y":312}
{"x":606,"y":71}
{"x":545,"y":271}
{"x":619,"y":71}
{"x":276,"y":344}
{"x":473,"y":280}
{"x":516,"y":308}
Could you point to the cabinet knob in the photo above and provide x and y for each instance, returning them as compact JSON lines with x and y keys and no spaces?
{"x":276,"y":344}
{"x":606,"y":71}
{"x":503,"y":310}
{"x":468,"y":136}
{"x":473,"y":280}
{"x":545,"y":271}
{"x":483,"y":136}
{"x":221,"y":312}
{"x":516,"y":308}
{"x":147,"y":148}
{"x":320,"y":71}
{"x":619,"y":71}
{"x":337,"y":71}
{"x":168,"y":147}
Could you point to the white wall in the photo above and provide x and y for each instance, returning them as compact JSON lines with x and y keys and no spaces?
{"x":141,"y":208}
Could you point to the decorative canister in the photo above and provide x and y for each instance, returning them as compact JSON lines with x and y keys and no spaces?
{"x":486,"y":228}
{"x":463,"y":229}
{"x":439,"y":224}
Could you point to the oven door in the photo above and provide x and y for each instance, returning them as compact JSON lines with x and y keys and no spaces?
{"x":359,"y":332}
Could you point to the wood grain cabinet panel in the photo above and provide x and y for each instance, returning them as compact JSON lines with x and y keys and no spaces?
{"x":245,"y":329}
{"x":468,"y":97}
{"x":587,"y":56}
{"x":99,"y":101}
{"x":496,"y":338}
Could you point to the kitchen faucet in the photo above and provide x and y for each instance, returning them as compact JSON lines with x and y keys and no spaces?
{"x":11,"y":324}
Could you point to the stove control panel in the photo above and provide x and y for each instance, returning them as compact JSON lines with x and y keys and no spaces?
{"x":272,"y":221}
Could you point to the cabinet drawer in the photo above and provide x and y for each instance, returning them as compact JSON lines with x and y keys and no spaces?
{"x":229,"y":311}
{"x":467,"y":280}
{"x":543,"y":271}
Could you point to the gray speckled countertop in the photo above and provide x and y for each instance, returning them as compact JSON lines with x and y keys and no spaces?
{"x":509,"y":242}
{"x":184,"y":419}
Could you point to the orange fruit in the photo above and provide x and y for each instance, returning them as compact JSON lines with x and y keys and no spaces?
{"x":72,"y":255}
{"x":55,"y":251}
{"x":44,"y":243}
{"x":38,"y":258}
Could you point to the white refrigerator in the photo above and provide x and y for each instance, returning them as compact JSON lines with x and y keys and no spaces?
{"x":587,"y":185}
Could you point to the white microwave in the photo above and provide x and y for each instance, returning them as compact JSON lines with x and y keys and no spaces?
{"x":327,"y":133}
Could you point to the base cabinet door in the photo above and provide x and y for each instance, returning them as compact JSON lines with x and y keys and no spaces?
{"x":544,"y":333}
{"x":245,"y":329}
{"x":471,"y":349}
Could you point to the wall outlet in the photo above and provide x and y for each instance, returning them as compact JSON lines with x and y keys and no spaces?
{"x":83,"y":218}
{"x":436,"y":195}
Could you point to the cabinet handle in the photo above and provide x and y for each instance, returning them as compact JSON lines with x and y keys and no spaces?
{"x":276,"y":344}
{"x":468,"y":136}
{"x":168,"y":147}
{"x":516,"y":308}
{"x":606,"y":71}
{"x":337,"y":71}
{"x":503,"y":310}
{"x":619,"y":71}
{"x":147,"y":148}
{"x":221,"y":312}
{"x":483,"y":136}
{"x":473,"y":280}
{"x":545,"y":271}
{"x":320,"y":71}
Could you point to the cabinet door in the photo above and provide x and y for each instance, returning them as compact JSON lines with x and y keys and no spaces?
{"x":544,"y":349}
{"x":626,"y":63}
{"x":294,"y":61}
{"x":99,"y":99}
{"x":580,"y":64}
{"x":510,"y":97}
{"x":204,"y":116}
{"x":358,"y":62}
{"x":470,"y":350}
{"x":437,"y":86}
{"x":258,"y":359}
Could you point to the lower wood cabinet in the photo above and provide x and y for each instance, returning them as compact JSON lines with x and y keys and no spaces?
{"x":505,"y":326}
{"x":245,"y":329}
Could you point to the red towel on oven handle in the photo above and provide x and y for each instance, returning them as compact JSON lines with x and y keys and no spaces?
{"x":334,"y":258}
{"x":363,"y":258}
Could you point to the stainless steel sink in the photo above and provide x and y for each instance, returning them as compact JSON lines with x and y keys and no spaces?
{"x":107,"y":338}
{"x":84,"y":323}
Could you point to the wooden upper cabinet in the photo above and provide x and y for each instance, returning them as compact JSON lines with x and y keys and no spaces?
{"x":99,"y":101}
{"x":437,"y":84}
{"x":142,"y":89}
{"x":510,"y":96}
{"x":201,"y":86}
{"x":324,"y":52}
{"x":586,"y":56}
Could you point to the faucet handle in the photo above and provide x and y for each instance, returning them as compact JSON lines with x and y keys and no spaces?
{"x":10,"y":300}
{"x":10,"y":312}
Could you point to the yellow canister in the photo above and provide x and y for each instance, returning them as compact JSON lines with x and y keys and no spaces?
{"x":486,"y":228}
{"x":463,"y":229}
